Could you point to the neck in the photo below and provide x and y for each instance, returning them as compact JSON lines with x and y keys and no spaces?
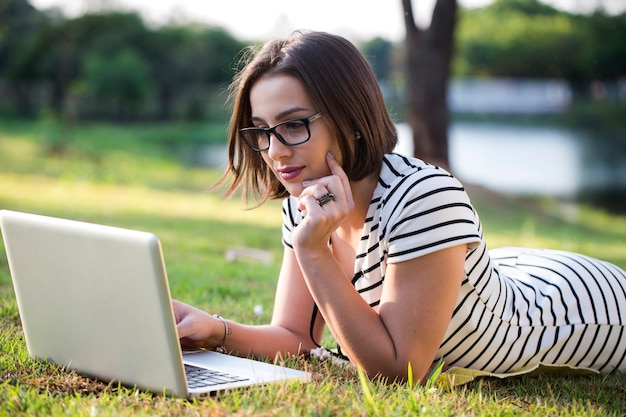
{"x":362,"y":192}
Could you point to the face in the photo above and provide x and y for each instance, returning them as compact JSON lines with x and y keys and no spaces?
{"x":278,"y":98}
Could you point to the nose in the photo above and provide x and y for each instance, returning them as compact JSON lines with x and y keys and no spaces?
{"x":277,"y":149}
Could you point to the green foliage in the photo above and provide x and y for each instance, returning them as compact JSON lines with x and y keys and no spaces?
{"x":112,"y":65}
{"x":528,"y":39}
{"x":378,"y":51}
{"x":605,"y":49}
{"x":530,"y":8}
{"x":119,"y":80}
{"x":48,"y":61}
{"x":18,"y":22}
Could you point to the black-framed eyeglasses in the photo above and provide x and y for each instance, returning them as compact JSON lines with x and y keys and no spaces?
{"x":290,"y":132}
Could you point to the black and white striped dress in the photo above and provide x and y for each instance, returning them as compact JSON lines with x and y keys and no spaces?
{"x":517,"y":308}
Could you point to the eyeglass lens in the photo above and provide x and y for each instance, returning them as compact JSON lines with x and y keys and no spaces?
{"x":291,"y":132}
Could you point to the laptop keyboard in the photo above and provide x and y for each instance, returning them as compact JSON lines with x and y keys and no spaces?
{"x":201,"y":377}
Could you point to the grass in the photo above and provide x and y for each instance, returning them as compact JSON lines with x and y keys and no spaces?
{"x":138,"y":183}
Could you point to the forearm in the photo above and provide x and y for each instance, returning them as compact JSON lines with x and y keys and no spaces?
{"x":199,"y":329}
{"x":359,"y":329}
{"x":264,"y":340}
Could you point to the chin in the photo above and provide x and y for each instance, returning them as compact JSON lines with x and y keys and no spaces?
{"x":294,"y":191}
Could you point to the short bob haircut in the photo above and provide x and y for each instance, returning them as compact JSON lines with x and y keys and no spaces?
{"x":343,"y":88}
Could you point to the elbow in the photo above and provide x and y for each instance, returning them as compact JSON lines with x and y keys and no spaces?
{"x":402,"y":370}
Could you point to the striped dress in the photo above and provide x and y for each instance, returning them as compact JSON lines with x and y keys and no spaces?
{"x":517,"y":308}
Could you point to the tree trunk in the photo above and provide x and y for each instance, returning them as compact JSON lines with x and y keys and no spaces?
{"x":429,"y":54}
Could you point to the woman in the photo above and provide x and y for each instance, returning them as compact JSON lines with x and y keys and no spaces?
{"x":387,"y":250}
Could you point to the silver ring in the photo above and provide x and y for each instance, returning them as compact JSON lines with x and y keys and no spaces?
{"x":325,"y":198}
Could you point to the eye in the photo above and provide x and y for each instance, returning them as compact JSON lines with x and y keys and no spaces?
{"x":294,"y":125}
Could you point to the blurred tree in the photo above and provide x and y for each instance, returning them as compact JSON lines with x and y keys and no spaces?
{"x":542,"y":46}
{"x":118,"y":80}
{"x":186,"y":59}
{"x":58,"y":53}
{"x":104,"y":52}
{"x":174,"y":64}
{"x":220,"y":47}
{"x":378,"y":52}
{"x":20,"y":24}
{"x":168,"y":66}
{"x":528,"y":8}
{"x":429,"y":53}
{"x":604,"y":55}
{"x":48,"y":61}
{"x":528,"y":39}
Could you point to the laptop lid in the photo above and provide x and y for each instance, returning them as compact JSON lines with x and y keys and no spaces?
{"x":95,"y":299}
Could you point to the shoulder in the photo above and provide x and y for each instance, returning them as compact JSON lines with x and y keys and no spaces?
{"x":423,"y":208}
{"x":407,"y":180}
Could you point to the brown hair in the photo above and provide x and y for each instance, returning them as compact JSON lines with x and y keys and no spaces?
{"x":341,"y":85}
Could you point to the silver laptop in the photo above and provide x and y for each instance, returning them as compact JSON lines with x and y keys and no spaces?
{"x":96,"y":299}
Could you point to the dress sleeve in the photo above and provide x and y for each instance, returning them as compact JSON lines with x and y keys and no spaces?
{"x":427,"y":212}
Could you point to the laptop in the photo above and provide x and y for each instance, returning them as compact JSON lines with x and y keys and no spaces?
{"x":96,"y":299}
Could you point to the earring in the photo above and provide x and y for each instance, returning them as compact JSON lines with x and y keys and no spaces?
{"x":358,"y":135}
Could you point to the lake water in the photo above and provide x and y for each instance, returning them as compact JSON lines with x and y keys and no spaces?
{"x":526,"y":160}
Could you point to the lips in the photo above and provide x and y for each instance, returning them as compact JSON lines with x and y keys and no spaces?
{"x":289,"y":173}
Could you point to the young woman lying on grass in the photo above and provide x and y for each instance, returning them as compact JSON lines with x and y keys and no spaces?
{"x":387,"y":250}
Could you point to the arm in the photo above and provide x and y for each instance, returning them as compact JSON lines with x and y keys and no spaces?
{"x":288,"y":332}
{"x":414,"y":313}
{"x":417,"y":302}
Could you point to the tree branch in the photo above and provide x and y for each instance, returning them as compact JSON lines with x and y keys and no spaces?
{"x":409,"y":20}
{"x":444,"y":19}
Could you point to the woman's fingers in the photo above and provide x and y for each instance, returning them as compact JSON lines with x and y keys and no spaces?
{"x":337,"y":170}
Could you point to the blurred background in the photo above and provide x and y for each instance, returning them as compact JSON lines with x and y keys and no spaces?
{"x":536,"y":90}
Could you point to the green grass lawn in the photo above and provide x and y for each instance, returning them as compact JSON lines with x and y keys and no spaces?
{"x":107,"y":176}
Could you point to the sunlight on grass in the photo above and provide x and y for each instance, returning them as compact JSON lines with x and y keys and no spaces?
{"x":85,"y":198}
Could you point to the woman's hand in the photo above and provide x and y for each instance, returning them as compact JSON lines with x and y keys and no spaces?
{"x":322,"y":220}
{"x":197,"y":328}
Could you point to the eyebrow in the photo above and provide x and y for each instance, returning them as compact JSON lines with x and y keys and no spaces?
{"x":282,"y":114}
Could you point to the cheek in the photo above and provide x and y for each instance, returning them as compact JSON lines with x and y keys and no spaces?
{"x":335,"y":149}
{"x":268,"y":164}
{"x":331,"y":144}
{"x":338,"y":154}
{"x":266,"y":159}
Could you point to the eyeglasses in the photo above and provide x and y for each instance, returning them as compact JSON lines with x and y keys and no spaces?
{"x":290,"y":132}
